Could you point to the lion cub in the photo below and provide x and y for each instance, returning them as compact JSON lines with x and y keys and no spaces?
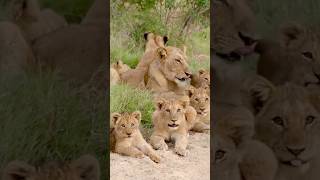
{"x":127,"y":137}
{"x":201,"y":79}
{"x":200,"y":101}
{"x":170,"y":123}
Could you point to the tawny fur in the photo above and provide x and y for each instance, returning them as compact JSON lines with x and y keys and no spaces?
{"x":128,"y":139}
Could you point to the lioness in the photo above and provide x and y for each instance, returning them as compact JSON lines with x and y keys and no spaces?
{"x":169,"y":72}
{"x":128,"y":138}
{"x":84,"y":168}
{"x":33,"y":21}
{"x":170,"y":123}
{"x":200,"y":101}
{"x":236,"y":155}
{"x":287,"y":121}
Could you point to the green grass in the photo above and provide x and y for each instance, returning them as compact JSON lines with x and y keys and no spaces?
{"x":126,"y":99}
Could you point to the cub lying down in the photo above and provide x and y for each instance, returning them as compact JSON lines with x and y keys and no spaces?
{"x":126,"y":139}
{"x":170,"y":123}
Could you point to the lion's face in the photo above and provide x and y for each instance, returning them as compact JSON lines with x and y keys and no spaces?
{"x":233,"y":28}
{"x":199,"y":100}
{"x":84,"y":168}
{"x":204,"y":78}
{"x":173,"y":112}
{"x":174,"y":65}
{"x":288,"y":122}
{"x":126,"y":125}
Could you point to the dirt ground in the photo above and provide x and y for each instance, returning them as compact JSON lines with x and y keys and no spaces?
{"x":195,"y":166}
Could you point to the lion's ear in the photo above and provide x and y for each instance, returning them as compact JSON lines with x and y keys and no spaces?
{"x":162,"y":53}
{"x":165,"y":40}
{"x":137,"y":115}
{"x":18,"y":170}
{"x":115,"y":117}
{"x":260,"y":91}
{"x":87,"y":167}
{"x":148,"y":35}
{"x":160,"y":102}
{"x":290,"y":32}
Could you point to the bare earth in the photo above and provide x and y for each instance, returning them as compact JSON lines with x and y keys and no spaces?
{"x":195,"y":166}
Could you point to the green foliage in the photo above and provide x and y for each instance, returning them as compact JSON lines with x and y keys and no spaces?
{"x":126,"y":99}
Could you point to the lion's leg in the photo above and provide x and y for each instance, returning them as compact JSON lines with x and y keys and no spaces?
{"x":148,"y":150}
{"x":124,"y":149}
{"x":200,"y":127}
{"x":181,"y":143}
{"x":158,"y":142}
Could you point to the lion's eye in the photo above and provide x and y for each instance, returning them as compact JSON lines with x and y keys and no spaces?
{"x":178,"y":60}
{"x":179,"y":110}
{"x":308,"y":55}
{"x":206,"y":79}
{"x":197,"y":99}
{"x":219,"y":155}
{"x":132,"y":124}
{"x":168,"y":110}
{"x":123,"y":125}
{"x":278,"y":120}
{"x":309,"y":120}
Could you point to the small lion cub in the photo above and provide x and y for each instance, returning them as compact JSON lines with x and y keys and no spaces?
{"x":170,"y":124}
{"x":128,"y":138}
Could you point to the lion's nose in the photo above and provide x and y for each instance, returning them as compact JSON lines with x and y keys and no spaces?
{"x":296,"y":152}
{"x":129,"y":133}
{"x":202,"y":109}
{"x":173,"y":120}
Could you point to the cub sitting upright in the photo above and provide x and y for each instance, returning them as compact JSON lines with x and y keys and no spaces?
{"x":170,"y":123}
{"x":126,"y":139}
